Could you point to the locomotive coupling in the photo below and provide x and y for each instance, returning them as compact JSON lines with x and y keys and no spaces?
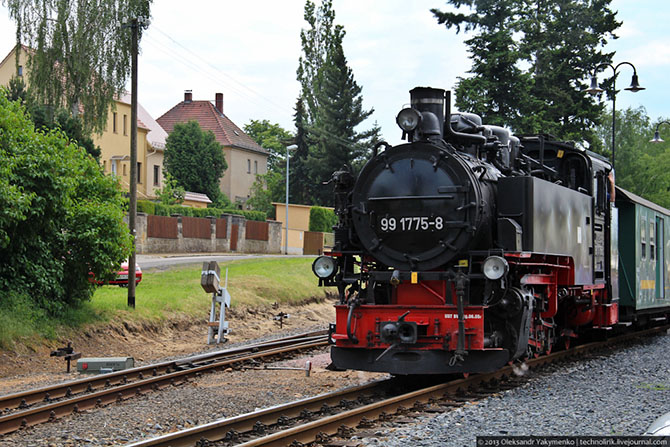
{"x":399,"y":332}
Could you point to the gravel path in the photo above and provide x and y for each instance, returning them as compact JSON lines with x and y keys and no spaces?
{"x":620,"y":393}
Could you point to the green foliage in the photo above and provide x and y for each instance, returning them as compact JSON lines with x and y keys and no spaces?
{"x":300,"y":186}
{"x":146,"y":206}
{"x":334,"y":104}
{"x":80,"y":58}
{"x":322,"y":219}
{"x":171,"y":193}
{"x":60,"y":216}
{"x":195,"y":160}
{"x":641,"y":167}
{"x":45,"y":117}
{"x":168,"y":210}
{"x":272,"y":137}
{"x":317,"y":41}
{"x":267,"y":188}
{"x":529,"y":60}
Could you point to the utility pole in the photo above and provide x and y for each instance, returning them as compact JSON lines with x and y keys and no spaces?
{"x":132,"y":208}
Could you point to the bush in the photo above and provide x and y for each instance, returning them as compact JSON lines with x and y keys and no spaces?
{"x":322,"y":219}
{"x":168,"y":210}
{"x":145,"y":206}
{"x":61,"y":217}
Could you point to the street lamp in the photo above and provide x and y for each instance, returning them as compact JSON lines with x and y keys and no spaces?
{"x":657,"y":136}
{"x":288,"y":148}
{"x":595,"y":90}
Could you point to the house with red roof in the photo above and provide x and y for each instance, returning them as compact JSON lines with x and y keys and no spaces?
{"x":244,"y":156}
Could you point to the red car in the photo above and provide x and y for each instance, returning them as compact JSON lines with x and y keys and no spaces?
{"x":122,"y":276}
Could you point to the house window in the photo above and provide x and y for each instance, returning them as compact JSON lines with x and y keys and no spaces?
{"x":255,"y":166}
{"x":157,"y":173}
{"x":124,"y":170}
{"x":125,"y":126}
{"x":112,"y":163}
{"x":248,"y":166}
{"x":114,"y":123}
{"x":20,"y":71}
{"x":139,"y":172}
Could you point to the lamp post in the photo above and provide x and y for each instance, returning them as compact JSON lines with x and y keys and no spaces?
{"x":288,"y":148}
{"x":657,"y":136}
{"x":594,"y":90}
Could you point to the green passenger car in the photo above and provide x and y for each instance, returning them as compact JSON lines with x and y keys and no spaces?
{"x":644,"y":254}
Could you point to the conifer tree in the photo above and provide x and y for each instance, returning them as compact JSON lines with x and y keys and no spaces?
{"x":333,"y":104}
{"x":558,"y":41}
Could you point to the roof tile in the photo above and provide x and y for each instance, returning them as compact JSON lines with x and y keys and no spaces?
{"x":209,"y":118}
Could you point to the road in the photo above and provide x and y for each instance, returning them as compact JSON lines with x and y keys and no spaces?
{"x":164,"y":262}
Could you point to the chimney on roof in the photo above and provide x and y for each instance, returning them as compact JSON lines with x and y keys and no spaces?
{"x":219,"y":103}
{"x":188,"y":96}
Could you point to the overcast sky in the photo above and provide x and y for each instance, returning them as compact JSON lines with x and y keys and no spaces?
{"x":249,"y":51}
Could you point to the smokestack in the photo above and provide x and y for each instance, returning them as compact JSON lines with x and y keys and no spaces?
{"x":219,"y":103}
{"x":188,"y":96}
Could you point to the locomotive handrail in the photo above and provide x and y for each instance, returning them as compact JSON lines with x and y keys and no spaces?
{"x":373,"y":199}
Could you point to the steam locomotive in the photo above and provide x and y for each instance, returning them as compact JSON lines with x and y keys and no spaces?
{"x":468,"y":247}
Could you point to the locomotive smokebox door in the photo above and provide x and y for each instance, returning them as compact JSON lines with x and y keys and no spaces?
{"x":209,"y":280}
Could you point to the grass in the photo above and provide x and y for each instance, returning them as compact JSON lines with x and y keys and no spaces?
{"x":163,"y":295}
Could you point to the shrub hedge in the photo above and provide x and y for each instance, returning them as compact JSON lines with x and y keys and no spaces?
{"x":146,"y":206}
{"x":322,"y":219}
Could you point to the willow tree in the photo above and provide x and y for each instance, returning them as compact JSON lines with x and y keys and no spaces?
{"x":79,"y":52}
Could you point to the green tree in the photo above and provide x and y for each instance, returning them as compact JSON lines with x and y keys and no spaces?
{"x":330,"y":105}
{"x":316,"y":41}
{"x":563,"y":41}
{"x":171,"y":193}
{"x":267,"y":188}
{"x":79,"y":55}
{"x":641,"y":167}
{"x":301,"y":187}
{"x":44,"y":117}
{"x":61,"y":218}
{"x":272,"y":137}
{"x":556,"y":42}
{"x":195,"y":159}
{"x":340,"y":112}
{"x":497,"y":86}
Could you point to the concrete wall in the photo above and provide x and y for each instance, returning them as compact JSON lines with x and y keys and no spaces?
{"x":145,"y":244}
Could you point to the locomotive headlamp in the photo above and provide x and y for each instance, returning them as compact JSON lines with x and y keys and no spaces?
{"x":408,"y":119}
{"x":495,"y":267}
{"x":324,"y":267}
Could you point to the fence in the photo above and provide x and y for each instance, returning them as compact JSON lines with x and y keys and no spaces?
{"x":162,"y":227}
{"x":182,"y":234}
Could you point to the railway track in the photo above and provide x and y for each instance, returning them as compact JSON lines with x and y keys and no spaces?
{"x":45,"y":404}
{"x":334,"y":414}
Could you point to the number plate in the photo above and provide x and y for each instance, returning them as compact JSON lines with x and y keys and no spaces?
{"x":410,"y":223}
{"x":123,"y":277}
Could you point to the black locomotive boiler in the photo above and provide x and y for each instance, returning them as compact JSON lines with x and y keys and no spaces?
{"x":468,"y":247}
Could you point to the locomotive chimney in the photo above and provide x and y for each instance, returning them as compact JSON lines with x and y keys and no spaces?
{"x":427,"y":99}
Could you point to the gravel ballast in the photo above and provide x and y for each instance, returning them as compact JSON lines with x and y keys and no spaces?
{"x":619,"y":393}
